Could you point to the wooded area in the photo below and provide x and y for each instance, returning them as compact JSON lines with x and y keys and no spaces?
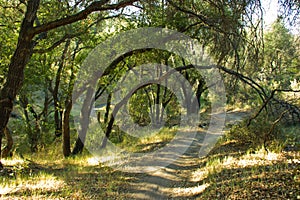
{"x":44,"y":46}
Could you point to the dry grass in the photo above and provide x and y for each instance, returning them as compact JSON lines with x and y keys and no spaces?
{"x":229,"y":172}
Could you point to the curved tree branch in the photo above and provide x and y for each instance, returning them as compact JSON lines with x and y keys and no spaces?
{"x":95,"y":6}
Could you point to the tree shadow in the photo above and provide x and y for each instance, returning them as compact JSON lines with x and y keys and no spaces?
{"x":272,"y":181}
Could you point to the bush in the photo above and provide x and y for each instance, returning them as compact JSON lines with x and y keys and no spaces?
{"x":258,"y":133}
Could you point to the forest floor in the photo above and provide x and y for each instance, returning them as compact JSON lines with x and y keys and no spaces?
{"x":229,"y":171}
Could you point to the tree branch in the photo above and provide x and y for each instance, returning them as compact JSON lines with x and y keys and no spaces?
{"x":268,"y":100}
{"x":70,"y":36}
{"x":95,"y":6}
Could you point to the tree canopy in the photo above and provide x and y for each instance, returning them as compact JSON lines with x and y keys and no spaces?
{"x":44,"y":44}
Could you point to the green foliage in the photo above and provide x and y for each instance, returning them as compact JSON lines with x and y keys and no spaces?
{"x":150,"y":142}
{"x":10,"y":19}
{"x":257,"y":133}
{"x":281,"y":60}
{"x":143,"y":110}
{"x":264,"y":132}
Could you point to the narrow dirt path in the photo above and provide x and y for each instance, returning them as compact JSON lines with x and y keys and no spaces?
{"x":173,"y":181}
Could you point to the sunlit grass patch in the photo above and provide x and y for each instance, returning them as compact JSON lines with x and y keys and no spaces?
{"x":164,"y":135}
{"x":72,"y":178}
{"x":257,"y":174}
{"x":150,"y":142}
{"x":48,"y":175}
{"x":13,"y":161}
{"x":22,"y":184}
{"x":190,"y":191}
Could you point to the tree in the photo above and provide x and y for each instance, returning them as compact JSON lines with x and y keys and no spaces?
{"x":26,"y":43}
{"x":280,"y":58}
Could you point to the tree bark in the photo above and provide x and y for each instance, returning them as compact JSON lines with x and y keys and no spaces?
{"x":17,"y":64}
{"x":66,"y":128}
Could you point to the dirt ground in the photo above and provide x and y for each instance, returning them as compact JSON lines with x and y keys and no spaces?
{"x":175,"y":180}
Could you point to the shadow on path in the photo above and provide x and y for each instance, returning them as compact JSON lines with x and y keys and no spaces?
{"x":173,"y":181}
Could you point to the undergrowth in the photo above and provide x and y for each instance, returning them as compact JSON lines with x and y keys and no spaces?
{"x":263,"y":131}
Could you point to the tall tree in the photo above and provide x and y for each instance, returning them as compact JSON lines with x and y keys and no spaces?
{"x":26,"y":43}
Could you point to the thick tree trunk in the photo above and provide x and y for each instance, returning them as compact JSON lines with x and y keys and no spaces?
{"x":17,"y":64}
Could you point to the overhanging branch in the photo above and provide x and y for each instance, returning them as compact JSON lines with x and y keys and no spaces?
{"x":95,"y":6}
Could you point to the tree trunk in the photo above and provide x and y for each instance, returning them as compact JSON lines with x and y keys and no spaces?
{"x":6,"y":152}
{"x":157,"y":106}
{"x":78,"y":147}
{"x":66,"y":128}
{"x":106,"y":115}
{"x":1,"y":133}
{"x":45,"y":112}
{"x":84,"y":121}
{"x":57,"y":107}
{"x":33,"y":131}
{"x":195,"y":105}
{"x":17,"y":64}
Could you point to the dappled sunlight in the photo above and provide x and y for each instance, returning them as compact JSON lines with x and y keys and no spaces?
{"x":48,"y":184}
{"x":5,"y":189}
{"x":199,"y":175}
{"x":38,"y":183}
{"x":254,"y":174}
{"x":92,"y":161}
{"x":251,"y":160}
{"x":11,"y":162}
{"x":190,"y":191}
{"x":297,"y":161}
{"x":256,"y":159}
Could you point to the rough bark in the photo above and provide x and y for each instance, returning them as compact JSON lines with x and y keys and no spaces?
{"x":18,"y":62}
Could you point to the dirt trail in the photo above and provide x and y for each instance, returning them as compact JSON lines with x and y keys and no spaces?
{"x":173,"y":181}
